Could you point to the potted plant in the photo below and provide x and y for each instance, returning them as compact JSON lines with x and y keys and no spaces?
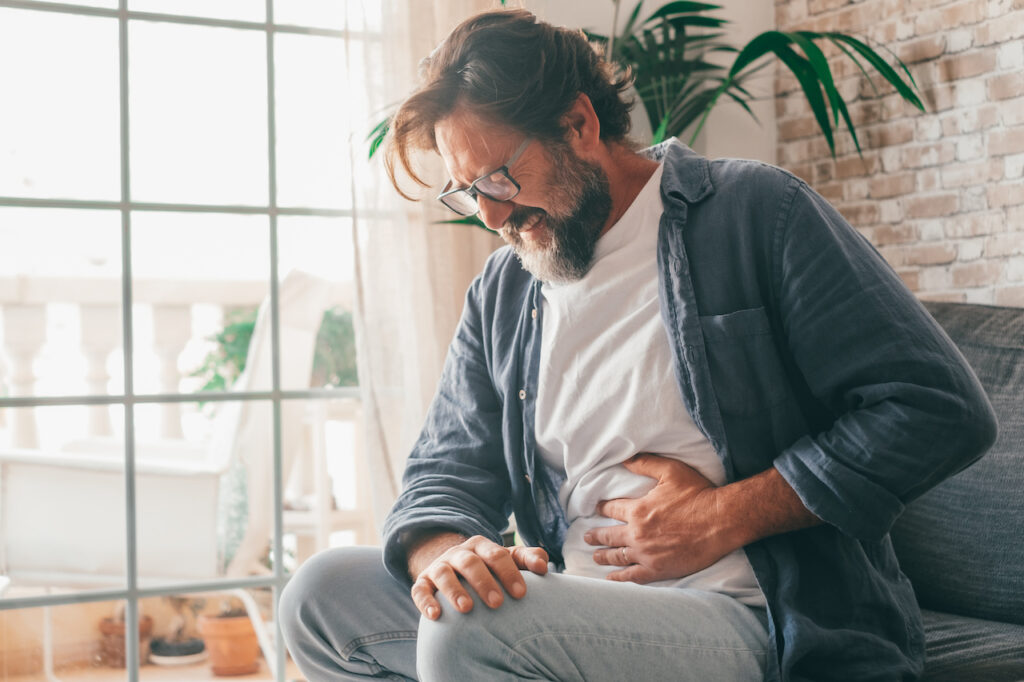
{"x":179,"y":644}
{"x":230,"y":639}
{"x":112,"y":638}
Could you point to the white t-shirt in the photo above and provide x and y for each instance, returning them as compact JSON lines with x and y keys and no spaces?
{"x":607,"y":391}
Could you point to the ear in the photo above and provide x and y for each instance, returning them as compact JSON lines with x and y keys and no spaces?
{"x":583,"y":129}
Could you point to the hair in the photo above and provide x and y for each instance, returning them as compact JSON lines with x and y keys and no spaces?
{"x":509,"y":68}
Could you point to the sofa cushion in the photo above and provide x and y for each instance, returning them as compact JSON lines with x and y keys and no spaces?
{"x":962,"y":543}
{"x":961,"y":649}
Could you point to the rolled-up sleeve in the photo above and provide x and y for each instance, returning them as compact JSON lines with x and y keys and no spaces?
{"x":456,"y":478}
{"x":909,"y":411}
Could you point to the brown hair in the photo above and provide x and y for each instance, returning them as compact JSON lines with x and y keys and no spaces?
{"x":510,"y":68}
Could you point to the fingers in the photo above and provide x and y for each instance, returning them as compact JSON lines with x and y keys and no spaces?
{"x":653,"y":466}
{"x":533,"y":559}
{"x":608,"y":536}
{"x":478,"y":566}
{"x":617,"y":509}
{"x":633,"y":574}
{"x":423,"y":597}
{"x":615,"y":556}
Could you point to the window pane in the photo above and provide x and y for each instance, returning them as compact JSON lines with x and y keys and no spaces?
{"x":59,"y":119}
{"x":60,"y":302}
{"x":205,"y":498}
{"x":242,"y":10}
{"x":317,"y":337}
{"x":326,"y":497}
{"x":88,"y":641}
{"x":199,"y":115}
{"x":197,"y":275}
{"x":317,"y":13}
{"x":313,"y":100}
{"x":63,"y":503}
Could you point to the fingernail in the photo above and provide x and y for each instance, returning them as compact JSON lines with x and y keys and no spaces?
{"x":432,"y":612}
{"x":588,"y":537}
{"x":463,"y":603}
{"x":494,"y":599}
{"x":518,"y":590}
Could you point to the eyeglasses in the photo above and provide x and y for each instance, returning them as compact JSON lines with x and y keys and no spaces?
{"x":497,"y":185}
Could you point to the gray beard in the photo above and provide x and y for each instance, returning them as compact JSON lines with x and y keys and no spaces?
{"x":568,"y":253}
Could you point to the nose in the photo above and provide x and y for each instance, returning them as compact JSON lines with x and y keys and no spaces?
{"x":494,"y":213}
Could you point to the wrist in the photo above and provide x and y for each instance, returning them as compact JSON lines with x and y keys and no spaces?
{"x":426,"y":545}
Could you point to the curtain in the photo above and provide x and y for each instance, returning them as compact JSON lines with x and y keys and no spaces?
{"x":411,"y":273}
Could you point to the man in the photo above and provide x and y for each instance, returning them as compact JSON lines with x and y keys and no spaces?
{"x":704,"y":396}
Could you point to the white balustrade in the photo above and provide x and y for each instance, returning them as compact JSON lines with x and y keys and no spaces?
{"x":172,"y":329}
{"x":101,"y":330}
{"x":24,"y":336}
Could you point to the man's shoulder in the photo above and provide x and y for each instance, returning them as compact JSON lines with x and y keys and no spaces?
{"x":693,"y":178}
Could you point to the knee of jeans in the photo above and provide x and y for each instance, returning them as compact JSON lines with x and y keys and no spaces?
{"x":301,"y":602}
{"x":453,"y":642}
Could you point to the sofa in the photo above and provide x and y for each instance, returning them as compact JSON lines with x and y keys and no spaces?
{"x":962,"y":543}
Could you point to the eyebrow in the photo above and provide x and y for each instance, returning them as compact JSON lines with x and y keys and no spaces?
{"x":508,"y":162}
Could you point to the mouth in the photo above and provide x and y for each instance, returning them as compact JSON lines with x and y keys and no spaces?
{"x":523,"y":228}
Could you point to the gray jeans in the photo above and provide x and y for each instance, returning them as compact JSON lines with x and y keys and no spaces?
{"x":345,"y":618}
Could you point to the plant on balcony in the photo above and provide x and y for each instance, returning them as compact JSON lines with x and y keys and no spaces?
{"x":334,"y":360}
{"x":230,"y":638}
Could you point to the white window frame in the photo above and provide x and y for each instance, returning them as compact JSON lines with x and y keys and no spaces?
{"x":132,"y":592}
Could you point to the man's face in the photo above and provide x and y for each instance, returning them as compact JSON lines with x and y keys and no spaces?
{"x":553,"y":224}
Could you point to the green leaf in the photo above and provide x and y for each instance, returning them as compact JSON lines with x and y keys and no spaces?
{"x":881,"y":66}
{"x":377,"y":135}
{"x":681,"y":7}
{"x":817,"y":60}
{"x":659,"y":134}
{"x":811,"y":86}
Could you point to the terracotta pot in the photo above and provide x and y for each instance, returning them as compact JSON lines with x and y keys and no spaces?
{"x":112,"y":642}
{"x":232,"y":644}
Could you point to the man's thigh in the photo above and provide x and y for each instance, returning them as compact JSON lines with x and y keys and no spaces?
{"x":571,"y":628}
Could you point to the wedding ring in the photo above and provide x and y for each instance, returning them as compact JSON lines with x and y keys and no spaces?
{"x":622,"y":550}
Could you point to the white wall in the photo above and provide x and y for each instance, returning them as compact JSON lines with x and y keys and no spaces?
{"x":729,"y":131}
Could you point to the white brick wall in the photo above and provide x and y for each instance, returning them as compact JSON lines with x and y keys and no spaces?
{"x":940,"y":194}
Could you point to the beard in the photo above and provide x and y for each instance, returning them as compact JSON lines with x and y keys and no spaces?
{"x":567,"y":252}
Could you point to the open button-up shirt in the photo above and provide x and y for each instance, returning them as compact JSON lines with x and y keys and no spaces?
{"x":796,"y":347}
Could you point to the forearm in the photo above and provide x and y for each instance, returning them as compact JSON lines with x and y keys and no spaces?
{"x":761,"y":506}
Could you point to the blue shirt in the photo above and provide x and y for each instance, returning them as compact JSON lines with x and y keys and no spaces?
{"x":795,"y":346}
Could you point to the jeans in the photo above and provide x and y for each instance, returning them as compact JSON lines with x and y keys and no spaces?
{"x":345,"y":618}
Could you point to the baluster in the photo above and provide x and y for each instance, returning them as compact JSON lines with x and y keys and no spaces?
{"x":24,"y":336}
{"x":172,"y":328}
{"x":101,"y":335}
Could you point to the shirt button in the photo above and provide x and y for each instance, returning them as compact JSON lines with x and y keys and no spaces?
{"x":533,"y":313}
{"x":522,"y":394}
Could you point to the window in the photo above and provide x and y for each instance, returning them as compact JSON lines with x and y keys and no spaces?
{"x":174,"y":203}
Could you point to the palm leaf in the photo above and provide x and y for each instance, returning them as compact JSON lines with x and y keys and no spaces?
{"x":377,"y":135}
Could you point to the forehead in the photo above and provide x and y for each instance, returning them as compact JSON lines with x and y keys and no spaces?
{"x":471,"y":146}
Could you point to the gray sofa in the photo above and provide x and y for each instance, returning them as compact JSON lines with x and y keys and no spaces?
{"x":962,"y":543}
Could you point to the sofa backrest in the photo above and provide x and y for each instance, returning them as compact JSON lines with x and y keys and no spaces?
{"x":962,"y":543}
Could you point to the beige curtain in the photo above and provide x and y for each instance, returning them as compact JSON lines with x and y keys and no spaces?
{"x":411,"y":274}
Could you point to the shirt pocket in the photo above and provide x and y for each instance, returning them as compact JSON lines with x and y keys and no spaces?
{"x":746,"y":371}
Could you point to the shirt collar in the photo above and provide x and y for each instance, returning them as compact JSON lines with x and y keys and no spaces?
{"x":687,"y":175}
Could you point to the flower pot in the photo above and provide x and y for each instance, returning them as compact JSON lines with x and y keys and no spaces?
{"x":112,"y":642}
{"x":232,"y":644}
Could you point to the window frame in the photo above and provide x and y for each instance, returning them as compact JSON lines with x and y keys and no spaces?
{"x":132,"y":592}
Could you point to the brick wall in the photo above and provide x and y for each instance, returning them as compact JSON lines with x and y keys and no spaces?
{"x":940,"y":194}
